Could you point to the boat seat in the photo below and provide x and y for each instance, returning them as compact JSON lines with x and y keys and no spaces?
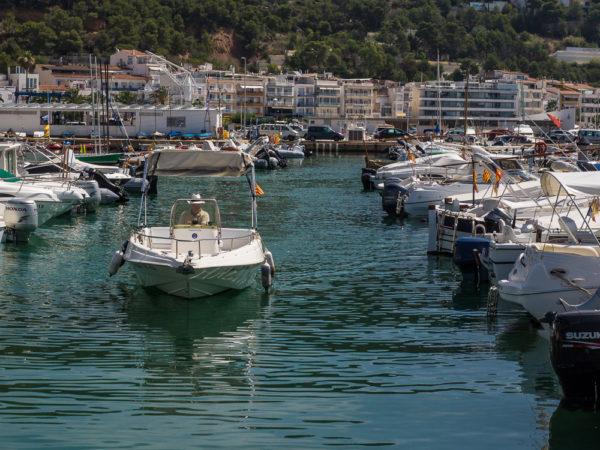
{"x":202,"y":240}
{"x":580,"y":250}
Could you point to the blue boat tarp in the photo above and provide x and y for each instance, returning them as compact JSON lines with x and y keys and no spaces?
{"x":202,"y":135}
{"x":173,"y":134}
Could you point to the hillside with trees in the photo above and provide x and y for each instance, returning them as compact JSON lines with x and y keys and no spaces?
{"x":386,"y":39}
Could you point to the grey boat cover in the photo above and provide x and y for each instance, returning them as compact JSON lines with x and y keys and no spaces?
{"x":198,"y":163}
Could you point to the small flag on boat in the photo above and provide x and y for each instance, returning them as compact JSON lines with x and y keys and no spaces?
{"x":258,"y":190}
{"x":498,"y":176}
{"x":410,"y":155}
{"x":594,"y":208}
{"x":486,"y":176}
{"x":475,"y":181}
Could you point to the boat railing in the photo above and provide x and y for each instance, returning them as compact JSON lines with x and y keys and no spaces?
{"x":201,"y":246}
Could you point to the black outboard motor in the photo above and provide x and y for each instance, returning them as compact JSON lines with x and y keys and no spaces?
{"x":575,"y":354}
{"x":365,"y":178}
{"x":105,"y":183}
{"x":392,"y":190}
{"x":493,"y":218}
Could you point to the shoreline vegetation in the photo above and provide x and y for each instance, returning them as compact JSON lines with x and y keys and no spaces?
{"x":393,"y":40}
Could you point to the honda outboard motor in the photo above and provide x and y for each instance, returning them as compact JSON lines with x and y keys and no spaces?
{"x":105,"y":183}
{"x":575,"y":354}
{"x":21,"y":219}
{"x":392,"y":190}
{"x":366,"y":178}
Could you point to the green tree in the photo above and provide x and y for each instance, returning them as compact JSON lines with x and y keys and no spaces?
{"x":160,"y":96}
{"x":126,"y":97}
{"x":27,"y":62}
{"x":552,"y":105}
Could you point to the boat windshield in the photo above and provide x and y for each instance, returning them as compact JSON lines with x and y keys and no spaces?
{"x":195,"y":213}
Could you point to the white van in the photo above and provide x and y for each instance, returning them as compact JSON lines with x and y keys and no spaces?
{"x":522,"y":129}
{"x":283,"y":130}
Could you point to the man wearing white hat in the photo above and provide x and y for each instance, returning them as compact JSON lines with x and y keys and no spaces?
{"x":196,"y":215}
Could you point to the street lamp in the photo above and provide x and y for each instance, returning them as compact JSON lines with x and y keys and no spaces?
{"x":244,"y":113}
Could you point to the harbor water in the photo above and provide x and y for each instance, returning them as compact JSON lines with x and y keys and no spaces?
{"x":362,"y":340}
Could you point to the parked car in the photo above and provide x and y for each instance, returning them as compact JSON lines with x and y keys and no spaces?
{"x":316,"y":132}
{"x":283,"y":130}
{"x":391,"y":133}
{"x":561,"y":136}
{"x":459,"y":136}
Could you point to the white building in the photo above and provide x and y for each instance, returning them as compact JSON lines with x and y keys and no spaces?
{"x":78,"y":119}
{"x":491,"y":104}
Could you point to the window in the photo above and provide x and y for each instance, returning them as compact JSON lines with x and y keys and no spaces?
{"x":175,"y":121}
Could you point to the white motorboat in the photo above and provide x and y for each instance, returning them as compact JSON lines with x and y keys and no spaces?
{"x":425,"y":193}
{"x":191,"y":258}
{"x":444,"y":165}
{"x":546,"y":273}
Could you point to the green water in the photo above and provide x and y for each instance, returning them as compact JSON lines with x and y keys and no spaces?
{"x":363,"y":339}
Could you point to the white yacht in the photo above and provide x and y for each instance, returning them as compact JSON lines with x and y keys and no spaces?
{"x":189,"y":259}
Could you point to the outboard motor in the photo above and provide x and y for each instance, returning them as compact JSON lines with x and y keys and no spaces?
{"x":105,"y":183}
{"x":366,"y":178}
{"x":21,"y":219}
{"x":493,"y":218}
{"x":392,"y":190}
{"x":575,"y":354}
{"x":466,"y":257}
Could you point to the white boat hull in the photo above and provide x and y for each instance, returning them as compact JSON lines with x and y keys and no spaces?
{"x":545,"y":274}
{"x":156,"y":264}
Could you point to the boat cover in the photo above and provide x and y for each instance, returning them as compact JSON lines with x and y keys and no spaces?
{"x":570,"y":183}
{"x":198,"y":163}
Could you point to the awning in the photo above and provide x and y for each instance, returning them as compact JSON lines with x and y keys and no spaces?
{"x":570,"y":183}
{"x":198,"y":163}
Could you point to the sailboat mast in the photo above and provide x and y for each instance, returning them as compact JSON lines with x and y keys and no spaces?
{"x":438,"y":93}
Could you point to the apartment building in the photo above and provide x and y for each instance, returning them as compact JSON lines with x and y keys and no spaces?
{"x":328,"y":98}
{"x":305,"y":95}
{"x":358,"y":98}
{"x":279,"y":98}
{"x":493,"y":103}
{"x":250,"y":95}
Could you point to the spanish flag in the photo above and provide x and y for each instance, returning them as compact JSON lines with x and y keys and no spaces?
{"x":411,"y":156}
{"x":475,"y":181}
{"x":258,"y":190}
{"x":498,"y":177}
{"x":486,"y":176}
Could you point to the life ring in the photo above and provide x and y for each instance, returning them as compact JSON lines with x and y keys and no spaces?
{"x":540,"y":148}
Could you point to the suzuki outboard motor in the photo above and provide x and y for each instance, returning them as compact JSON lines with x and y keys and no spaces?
{"x":392,"y":190}
{"x":575,"y":354}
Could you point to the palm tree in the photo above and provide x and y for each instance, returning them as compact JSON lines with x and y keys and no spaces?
{"x":27,"y":62}
{"x":160,"y":96}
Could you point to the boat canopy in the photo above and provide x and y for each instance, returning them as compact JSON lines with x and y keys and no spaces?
{"x":570,"y":183}
{"x":198,"y":163}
